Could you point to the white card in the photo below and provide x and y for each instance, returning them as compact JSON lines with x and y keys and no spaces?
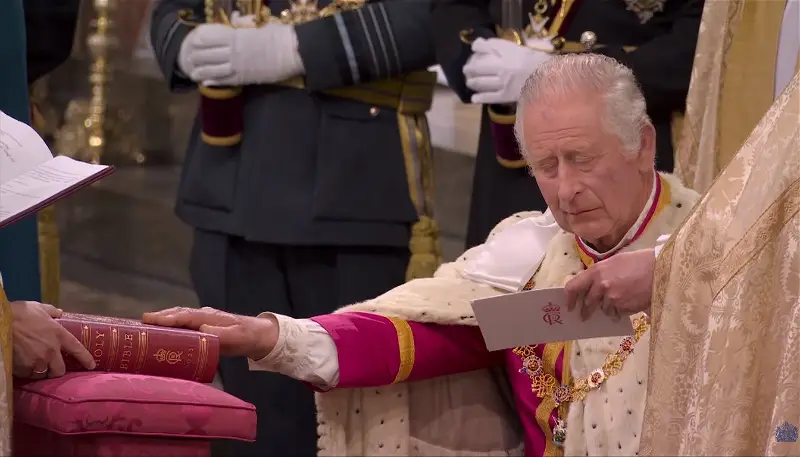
{"x":538,"y":317}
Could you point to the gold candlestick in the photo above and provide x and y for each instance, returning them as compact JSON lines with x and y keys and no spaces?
{"x":99,"y":43}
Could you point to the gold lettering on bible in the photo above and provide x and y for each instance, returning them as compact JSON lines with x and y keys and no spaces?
{"x":98,"y":346}
{"x":127,"y":351}
{"x":170,"y":357}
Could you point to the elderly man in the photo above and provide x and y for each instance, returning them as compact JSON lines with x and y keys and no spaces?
{"x":591,"y":146}
{"x":655,"y":39}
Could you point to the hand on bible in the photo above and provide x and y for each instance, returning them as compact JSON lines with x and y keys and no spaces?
{"x":251,"y":337}
{"x":39,"y":342}
{"x":220,"y":55}
{"x":620,"y":285}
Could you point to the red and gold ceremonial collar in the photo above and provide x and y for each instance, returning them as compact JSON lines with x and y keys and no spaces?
{"x":660,"y":197}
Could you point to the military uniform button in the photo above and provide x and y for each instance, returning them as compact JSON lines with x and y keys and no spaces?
{"x":588,"y":39}
{"x":374,"y":111}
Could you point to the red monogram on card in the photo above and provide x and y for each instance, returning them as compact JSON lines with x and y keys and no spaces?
{"x":552,"y":314}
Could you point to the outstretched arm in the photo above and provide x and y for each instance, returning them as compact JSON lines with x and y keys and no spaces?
{"x":367,"y":350}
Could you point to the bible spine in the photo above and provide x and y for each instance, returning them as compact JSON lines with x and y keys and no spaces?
{"x":128,"y":346}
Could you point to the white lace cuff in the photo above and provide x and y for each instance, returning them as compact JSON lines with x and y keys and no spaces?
{"x":304,"y":351}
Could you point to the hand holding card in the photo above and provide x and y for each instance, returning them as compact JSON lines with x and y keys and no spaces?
{"x":537,"y":317}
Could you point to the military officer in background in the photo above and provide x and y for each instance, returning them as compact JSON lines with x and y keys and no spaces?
{"x":308,"y":172}
{"x":488,"y":48}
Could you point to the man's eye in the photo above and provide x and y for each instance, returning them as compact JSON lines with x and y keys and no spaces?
{"x":547,"y":167}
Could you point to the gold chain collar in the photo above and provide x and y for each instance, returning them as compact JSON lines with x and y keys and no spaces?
{"x":545,"y":385}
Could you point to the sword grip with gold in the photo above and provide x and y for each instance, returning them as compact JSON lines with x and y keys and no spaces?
{"x":221,"y":115}
{"x":221,"y":108}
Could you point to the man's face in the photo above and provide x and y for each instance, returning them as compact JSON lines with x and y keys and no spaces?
{"x":592,"y":188}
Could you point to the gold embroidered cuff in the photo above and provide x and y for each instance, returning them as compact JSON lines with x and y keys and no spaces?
{"x":405,"y":342}
{"x":502,"y":119}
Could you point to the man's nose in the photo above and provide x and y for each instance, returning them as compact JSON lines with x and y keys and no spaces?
{"x":568,"y":185}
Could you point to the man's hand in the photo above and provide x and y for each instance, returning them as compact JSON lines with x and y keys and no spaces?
{"x":498,"y":69}
{"x":620,"y":285}
{"x":220,"y":55}
{"x":238,"y":335}
{"x":39,"y":341}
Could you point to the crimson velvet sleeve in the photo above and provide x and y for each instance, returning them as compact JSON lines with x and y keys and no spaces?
{"x":375,"y":351}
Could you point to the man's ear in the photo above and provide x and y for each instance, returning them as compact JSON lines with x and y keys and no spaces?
{"x":647,"y":151}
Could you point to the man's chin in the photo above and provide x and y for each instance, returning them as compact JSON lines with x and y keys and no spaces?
{"x":589,"y":230}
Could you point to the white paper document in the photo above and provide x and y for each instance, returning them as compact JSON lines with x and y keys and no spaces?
{"x":538,"y":317}
{"x":30,"y":177}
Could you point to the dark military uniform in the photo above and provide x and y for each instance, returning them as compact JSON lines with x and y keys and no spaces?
{"x":50,"y":32}
{"x":314,"y":207}
{"x":662,"y":62}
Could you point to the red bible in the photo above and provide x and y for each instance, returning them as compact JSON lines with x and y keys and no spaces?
{"x":129,"y":346}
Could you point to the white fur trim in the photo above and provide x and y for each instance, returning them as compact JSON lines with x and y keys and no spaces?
{"x":399,"y":420}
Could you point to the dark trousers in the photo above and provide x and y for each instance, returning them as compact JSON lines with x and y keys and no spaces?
{"x":242,"y":277}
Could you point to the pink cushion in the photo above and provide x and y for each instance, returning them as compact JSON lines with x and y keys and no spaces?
{"x":133,"y":405}
{"x":34,"y":442}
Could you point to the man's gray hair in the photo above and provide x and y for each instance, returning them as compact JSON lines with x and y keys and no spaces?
{"x":626,"y":111}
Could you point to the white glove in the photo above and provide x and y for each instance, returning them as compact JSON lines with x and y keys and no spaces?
{"x":497,"y":69}
{"x":220,"y":55}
